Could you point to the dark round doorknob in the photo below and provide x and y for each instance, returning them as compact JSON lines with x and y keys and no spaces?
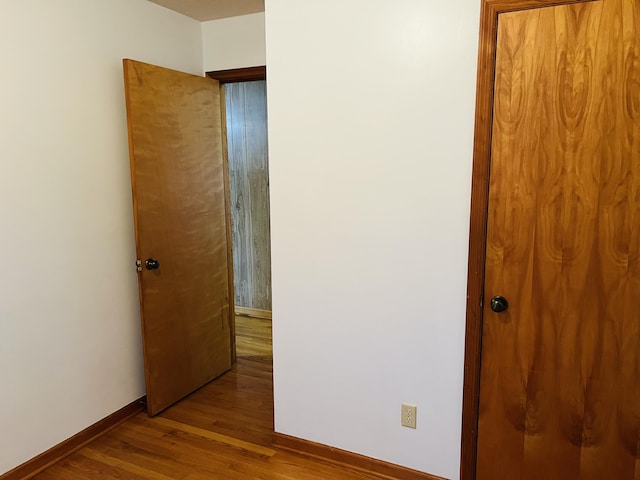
{"x":152,"y":264}
{"x":499,"y":304}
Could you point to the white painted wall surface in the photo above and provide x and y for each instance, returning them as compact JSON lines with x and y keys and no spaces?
{"x":70,"y":350}
{"x":235,"y":42}
{"x":371,"y":111}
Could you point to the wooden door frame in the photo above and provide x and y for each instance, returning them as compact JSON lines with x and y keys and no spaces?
{"x":248,"y":74}
{"x":489,"y":12}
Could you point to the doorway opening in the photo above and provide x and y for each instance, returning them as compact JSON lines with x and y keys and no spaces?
{"x":245,"y":113}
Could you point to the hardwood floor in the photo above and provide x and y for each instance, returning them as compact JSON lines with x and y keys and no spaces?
{"x":253,"y":337}
{"x":222,"y":431}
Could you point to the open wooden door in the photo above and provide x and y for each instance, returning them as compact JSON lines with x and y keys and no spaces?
{"x":560,"y":371}
{"x":179,"y":179}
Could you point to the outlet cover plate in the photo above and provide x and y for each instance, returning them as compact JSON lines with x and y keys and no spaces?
{"x":408,"y":418}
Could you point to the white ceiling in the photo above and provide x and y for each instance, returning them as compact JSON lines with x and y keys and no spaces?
{"x":204,"y":10}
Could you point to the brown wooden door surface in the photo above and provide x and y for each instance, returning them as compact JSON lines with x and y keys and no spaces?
{"x":178,"y":176}
{"x":560,"y":375}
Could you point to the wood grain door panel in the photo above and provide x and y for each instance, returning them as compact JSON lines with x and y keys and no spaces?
{"x":560,"y":374}
{"x":179,"y":193}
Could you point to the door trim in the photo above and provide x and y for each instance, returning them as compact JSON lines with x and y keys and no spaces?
{"x":248,"y":74}
{"x":489,"y":12}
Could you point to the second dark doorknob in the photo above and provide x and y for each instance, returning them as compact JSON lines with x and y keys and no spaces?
{"x":499,"y":304}
{"x":152,"y":264}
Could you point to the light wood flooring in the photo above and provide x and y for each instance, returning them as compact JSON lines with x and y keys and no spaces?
{"x":222,"y":431}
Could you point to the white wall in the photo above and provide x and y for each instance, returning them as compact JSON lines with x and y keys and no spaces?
{"x":235,"y":42}
{"x":371,"y":110}
{"x":70,"y":350}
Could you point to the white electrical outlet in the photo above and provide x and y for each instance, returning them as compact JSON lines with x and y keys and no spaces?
{"x":408,"y":415}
